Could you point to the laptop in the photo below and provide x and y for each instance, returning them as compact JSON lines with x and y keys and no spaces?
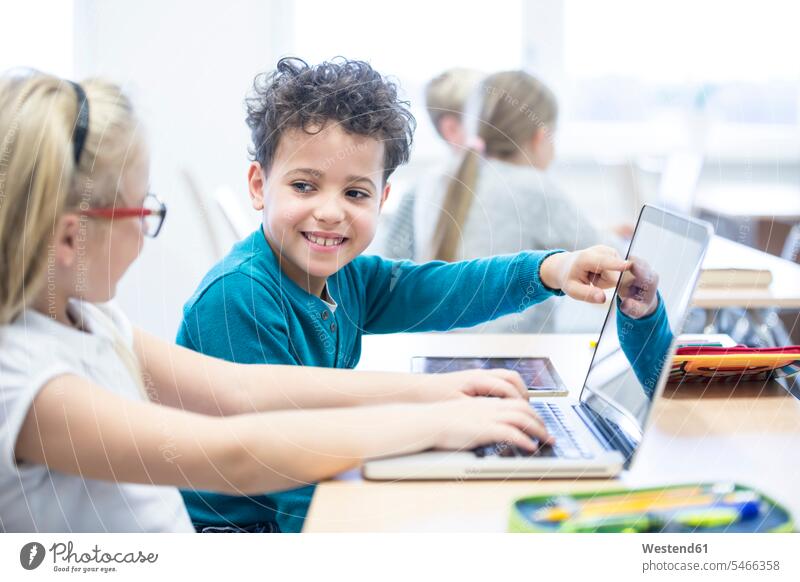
{"x":598,"y":433}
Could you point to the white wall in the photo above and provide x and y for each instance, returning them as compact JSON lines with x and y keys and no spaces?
{"x":188,"y":66}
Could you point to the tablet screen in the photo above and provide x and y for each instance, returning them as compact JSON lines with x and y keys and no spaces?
{"x":537,"y":373}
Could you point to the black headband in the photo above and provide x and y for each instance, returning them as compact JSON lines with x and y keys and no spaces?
{"x":81,"y":123}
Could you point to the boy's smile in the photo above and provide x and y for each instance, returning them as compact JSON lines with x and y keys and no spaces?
{"x":325,"y":242}
{"x":321,"y":200}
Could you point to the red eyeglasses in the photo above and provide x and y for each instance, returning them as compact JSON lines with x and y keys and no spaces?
{"x":151,"y":213}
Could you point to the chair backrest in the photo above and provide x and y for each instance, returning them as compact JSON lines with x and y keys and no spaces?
{"x":236,"y":219}
{"x":204,"y":214}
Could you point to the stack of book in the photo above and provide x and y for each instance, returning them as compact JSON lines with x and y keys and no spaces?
{"x":726,"y":277}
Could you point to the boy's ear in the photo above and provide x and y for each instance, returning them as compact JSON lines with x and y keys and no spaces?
{"x":451,"y":129}
{"x":65,"y":240}
{"x":539,"y":137}
{"x":255,"y":183}
{"x":385,"y":195}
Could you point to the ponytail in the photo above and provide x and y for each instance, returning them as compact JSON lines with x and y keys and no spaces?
{"x":510,"y":107}
{"x":455,"y":208}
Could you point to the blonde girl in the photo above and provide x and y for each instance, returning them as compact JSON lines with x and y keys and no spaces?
{"x":513,"y":116}
{"x":500,"y":200}
{"x":100,"y":422}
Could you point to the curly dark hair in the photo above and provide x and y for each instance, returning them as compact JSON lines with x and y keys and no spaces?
{"x":350,"y":93}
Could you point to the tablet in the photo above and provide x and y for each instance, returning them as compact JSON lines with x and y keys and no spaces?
{"x":538,"y":374}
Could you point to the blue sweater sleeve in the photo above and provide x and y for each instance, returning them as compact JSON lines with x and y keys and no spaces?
{"x":438,"y":296}
{"x":646,"y":343}
{"x":237,"y":319}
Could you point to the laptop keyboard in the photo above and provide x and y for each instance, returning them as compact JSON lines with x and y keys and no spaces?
{"x":566,"y":445}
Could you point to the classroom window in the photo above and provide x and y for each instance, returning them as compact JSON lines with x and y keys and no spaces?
{"x":666,"y":62}
{"x":632,"y":78}
{"x":413,"y":42}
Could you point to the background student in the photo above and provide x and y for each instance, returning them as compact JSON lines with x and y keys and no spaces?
{"x":100,"y":421}
{"x":446,"y":96}
{"x":501,"y":199}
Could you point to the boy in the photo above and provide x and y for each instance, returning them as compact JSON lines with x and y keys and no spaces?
{"x":326,"y":139}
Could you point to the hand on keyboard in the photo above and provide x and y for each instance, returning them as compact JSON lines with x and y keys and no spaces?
{"x":482,"y":421}
{"x":452,"y":385}
{"x":562,"y":442}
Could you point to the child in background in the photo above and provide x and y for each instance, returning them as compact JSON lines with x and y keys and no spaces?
{"x":100,"y":422}
{"x":326,"y":140}
{"x":445,"y":98}
{"x":500,"y":200}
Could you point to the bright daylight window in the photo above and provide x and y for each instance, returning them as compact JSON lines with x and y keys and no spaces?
{"x":413,"y":43}
{"x":633,"y":61}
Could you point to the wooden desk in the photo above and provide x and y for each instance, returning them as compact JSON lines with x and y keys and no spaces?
{"x":749,"y":434}
{"x":784,"y":292}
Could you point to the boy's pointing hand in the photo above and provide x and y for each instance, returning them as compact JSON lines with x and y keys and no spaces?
{"x":584,"y":274}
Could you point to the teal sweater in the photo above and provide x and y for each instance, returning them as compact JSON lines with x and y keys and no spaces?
{"x":245,"y":310}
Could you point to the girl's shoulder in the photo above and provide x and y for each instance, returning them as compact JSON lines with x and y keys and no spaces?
{"x":34,"y":339}
{"x":33,"y":349}
{"x":109,"y":320}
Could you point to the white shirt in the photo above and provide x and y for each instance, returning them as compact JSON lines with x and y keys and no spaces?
{"x":34,"y":349}
{"x":332,"y":305}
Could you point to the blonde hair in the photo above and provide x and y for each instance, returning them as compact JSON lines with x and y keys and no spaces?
{"x":40,"y":181}
{"x":448,"y":92}
{"x":511,"y":107}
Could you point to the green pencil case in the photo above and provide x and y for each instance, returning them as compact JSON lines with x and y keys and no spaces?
{"x":685,"y":508}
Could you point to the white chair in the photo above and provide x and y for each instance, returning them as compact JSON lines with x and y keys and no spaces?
{"x":205,"y":214}
{"x":236,"y":219}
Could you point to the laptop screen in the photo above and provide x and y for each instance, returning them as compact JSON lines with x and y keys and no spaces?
{"x":647,"y":311}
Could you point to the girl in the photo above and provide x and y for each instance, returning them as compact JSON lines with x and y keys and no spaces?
{"x":501,"y":183}
{"x":99,"y":421}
